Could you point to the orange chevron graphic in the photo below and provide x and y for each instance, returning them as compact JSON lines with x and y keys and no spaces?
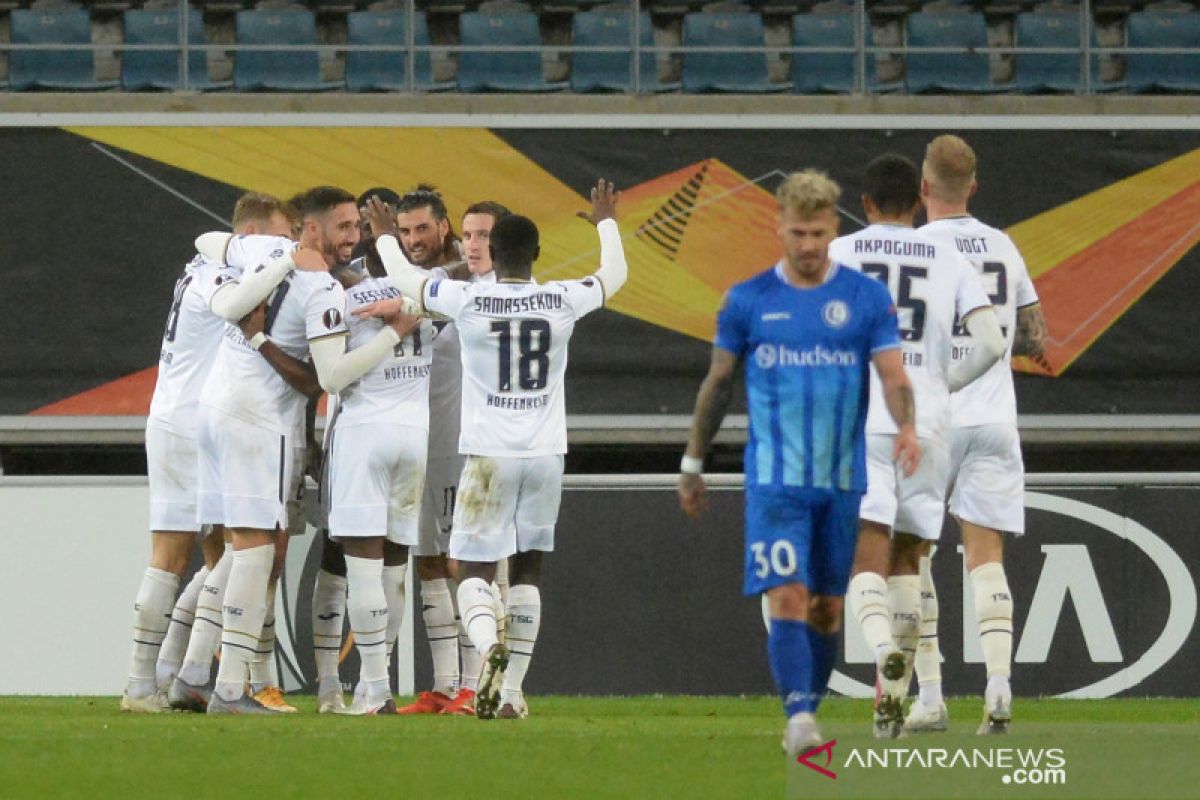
{"x":689,"y":234}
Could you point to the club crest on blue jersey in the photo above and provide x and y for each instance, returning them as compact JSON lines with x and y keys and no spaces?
{"x":835,"y":313}
{"x":766,"y":356}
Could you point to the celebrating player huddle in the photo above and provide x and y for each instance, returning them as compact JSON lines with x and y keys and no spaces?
{"x":262,"y":324}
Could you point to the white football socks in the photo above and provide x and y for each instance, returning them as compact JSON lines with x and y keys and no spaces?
{"x":929,"y":656}
{"x":500,"y":592}
{"x":151,"y":618}
{"x":868,"y":598}
{"x":994,"y":610}
{"x":524,"y":620}
{"x":478,"y":615}
{"x":437,"y":608}
{"x":262,"y":665}
{"x":470,"y":658}
{"x":904,"y":602}
{"x":367,"y":607}
{"x":206,"y":629}
{"x":170,"y":656}
{"x":393,"y":590}
{"x":244,"y":610}
{"x":328,"y":614}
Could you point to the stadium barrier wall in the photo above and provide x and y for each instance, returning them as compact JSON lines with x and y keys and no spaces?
{"x":639,"y":599}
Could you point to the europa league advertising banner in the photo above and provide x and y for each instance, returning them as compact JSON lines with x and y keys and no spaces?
{"x":102,"y":221}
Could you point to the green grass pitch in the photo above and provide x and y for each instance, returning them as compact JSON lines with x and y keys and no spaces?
{"x":663,"y":748}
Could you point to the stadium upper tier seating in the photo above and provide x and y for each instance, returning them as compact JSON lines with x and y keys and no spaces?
{"x":732,"y":46}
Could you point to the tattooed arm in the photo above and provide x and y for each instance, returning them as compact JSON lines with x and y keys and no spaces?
{"x":1030,"y":339}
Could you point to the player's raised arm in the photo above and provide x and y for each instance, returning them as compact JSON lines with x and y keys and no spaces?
{"x":712,"y":402}
{"x":1030,"y":338}
{"x":898,"y":394}
{"x":987,"y":347}
{"x":235,"y":300}
{"x":613,"y":269}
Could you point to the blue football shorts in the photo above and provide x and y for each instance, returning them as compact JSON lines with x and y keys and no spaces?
{"x":800,"y":535}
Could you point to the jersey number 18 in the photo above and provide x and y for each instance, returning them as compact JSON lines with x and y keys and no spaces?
{"x":533,"y":353}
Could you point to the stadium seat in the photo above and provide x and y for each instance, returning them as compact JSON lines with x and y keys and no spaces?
{"x":159,"y":69}
{"x":484,"y":71}
{"x":1051,"y":72}
{"x":609,"y":72}
{"x":386,"y":71}
{"x":1164,"y":72}
{"x":53,"y":69}
{"x":947,"y":72}
{"x":725,"y":72}
{"x":819,"y":73}
{"x":296,"y":71}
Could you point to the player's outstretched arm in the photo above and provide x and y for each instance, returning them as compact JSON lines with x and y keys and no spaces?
{"x":987,"y":347}
{"x":712,"y":402}
{"x":337,"y":368}
{"x":613,"y":268}
{"x":898,"y":394}
{"x":233,"y":301}
{"x":300,"y":375}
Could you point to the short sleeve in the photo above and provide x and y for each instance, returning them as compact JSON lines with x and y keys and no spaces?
{"x":1026,"y":294}
{"x":970,"y":294}
{"x":733,"y":324}
{"x":885,"y":330}
{"x":444,"y":296}
{"x":249,"y":252}
{"x":325,"y":311}
{"x":585,"y":296}
{"x":212,"y":276}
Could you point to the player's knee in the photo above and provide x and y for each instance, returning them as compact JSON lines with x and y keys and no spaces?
{"x":906,"y":555}
{"x":526,"y":568}
{"x":432,"y":568}
{"x":333,"y":559}
{"x":789,"y":601}
{"x":825,"y":614}
{"x":394,"y":555}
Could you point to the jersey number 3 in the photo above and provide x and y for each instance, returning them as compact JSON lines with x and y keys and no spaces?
{"x":533,"y":353}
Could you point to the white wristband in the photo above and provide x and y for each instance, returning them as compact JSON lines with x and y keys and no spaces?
{"x":258,"y":340}
{"x":691,"y":466}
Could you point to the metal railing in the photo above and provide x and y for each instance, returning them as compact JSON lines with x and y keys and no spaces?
{"x":861,"y":50}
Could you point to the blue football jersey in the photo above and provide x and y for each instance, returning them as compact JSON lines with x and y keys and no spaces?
{"x":808,"y":357}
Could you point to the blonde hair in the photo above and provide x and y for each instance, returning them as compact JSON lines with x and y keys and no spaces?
{"x":808,"y":193}
{"x":949,"y":168}
{"x":257,"y":207}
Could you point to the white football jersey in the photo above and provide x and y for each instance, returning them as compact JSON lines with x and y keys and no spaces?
{"x":189,"y":347}
{"x":305,"y":306}
{"x":397,"y":389}
{"x":514,"y":357}
{"x":932,"y":286}
{"x":445,"y":387}
{"x":990,"y":398}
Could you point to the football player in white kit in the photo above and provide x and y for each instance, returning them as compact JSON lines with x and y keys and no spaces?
{"x":932,"y":286}
{"x":985,"y":450}
{"x":189,"y":344}
{"x":424,"y":232}
{"x":514,"y":349}
{"x":249,"y":413}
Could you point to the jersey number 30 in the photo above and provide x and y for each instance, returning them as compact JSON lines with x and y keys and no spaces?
{"x":780,"y":559}
{"x":533,"y":353}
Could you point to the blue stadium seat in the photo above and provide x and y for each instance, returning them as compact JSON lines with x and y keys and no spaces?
{"x":52,"y":69}
{"x":725,"y":72}
{"x":609,"y":72}
{"x":947,"y":72}
{"x":1166,"y":72}
{"x":159,"y":69}
{"x":1052,"y":72}
{"x":296,"y":71}
{"x":818,"y":73}
{"x":483,"y":71}
{"x":386,"y":71}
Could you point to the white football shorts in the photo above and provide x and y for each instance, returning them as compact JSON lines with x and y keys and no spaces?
{"x":437,"y":507}
{"x":376,"y":479}
{"x":246,"y":472}
{"x":506,"y":506}
{"x":989,"y":477}
{"x":172,"y":462}
{"x":914,"y":504}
